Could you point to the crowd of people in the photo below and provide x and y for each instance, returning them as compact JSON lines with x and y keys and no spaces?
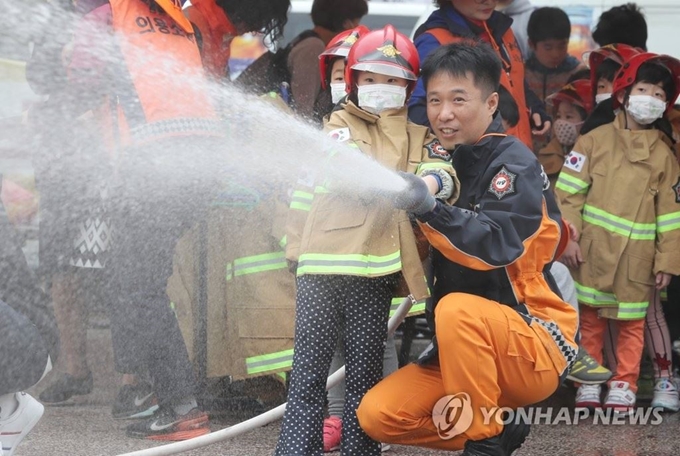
{"x":536,"y":228}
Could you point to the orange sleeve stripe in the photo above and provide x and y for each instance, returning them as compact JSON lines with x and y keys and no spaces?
{"x":450,"y":251}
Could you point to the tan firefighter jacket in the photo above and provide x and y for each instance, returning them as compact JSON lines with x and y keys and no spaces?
{"x":335,"y":233}
{"x":551,"y":158}
{"x":250,"y":291}
{"x":621,"y":190}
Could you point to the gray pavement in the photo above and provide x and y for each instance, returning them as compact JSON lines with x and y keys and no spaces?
{"x":86,"y":428}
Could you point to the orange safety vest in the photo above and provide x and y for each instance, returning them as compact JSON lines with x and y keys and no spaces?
{"x":163,"y":91}
{"x":512,"y":78}
{"x":217,"y":32}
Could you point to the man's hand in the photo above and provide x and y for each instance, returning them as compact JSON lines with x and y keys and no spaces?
{"x":538,"y":126}
{"x":662,"y":280}
{"x":416,"y":197}
{"x":572,"y":257}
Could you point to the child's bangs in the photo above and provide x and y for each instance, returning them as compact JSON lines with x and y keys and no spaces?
{"x":655,"y":73}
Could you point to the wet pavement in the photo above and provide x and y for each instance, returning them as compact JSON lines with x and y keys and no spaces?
{"x":86,"y":428}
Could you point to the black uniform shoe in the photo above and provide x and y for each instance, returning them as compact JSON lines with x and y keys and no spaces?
{"x":504,"y":444}
{"x":66,"y":387}
{"x":134,"y":401}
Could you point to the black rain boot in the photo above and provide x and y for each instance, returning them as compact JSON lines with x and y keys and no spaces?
{"x":511,"y":438}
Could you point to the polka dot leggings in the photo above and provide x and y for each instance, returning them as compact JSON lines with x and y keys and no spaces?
{"x":321,"y":300}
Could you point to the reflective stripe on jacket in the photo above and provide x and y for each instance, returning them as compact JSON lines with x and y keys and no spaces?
{"x":620,"y":189}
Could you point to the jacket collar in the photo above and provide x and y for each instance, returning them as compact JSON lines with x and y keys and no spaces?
{"x":637,"y":143}
{"x":369,"y":117}
{"x":567,"y":65}
{"x":466,"y":155}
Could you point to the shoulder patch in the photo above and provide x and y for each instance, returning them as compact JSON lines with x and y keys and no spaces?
{"x":676,"y":189}
{"x":340,"y":134}
{"x":436,"y":150}
{"x":503,"y":183}
{"x":575,"y":161}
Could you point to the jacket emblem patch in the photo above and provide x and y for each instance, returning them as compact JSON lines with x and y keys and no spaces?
{"x":340,"y":134}
{"x":575,"y":161}
{"x":503,"y":183}
{"x":436,"y":150}
{"x":676,"y":189}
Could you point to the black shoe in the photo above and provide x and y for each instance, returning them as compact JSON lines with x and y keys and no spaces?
{"x":167,"y":425}
{"x":504,"y":444}
{"x":134,"y":401}
{"x":66,"y":387}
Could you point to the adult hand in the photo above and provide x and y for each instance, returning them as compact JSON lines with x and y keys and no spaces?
{"x":662,"y":280}
{"x":539,"y":127}
{"x":572,"y":257}
{"x":416,"y":197}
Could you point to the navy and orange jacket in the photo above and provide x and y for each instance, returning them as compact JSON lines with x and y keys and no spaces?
{"x":500,"y":238}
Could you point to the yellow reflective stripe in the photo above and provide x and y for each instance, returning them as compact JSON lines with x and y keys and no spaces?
{"x":301,"y":200}
{"x":320,"y":189}
{"x":424,"y":166}
{"x":416,"y":309}
{"x":356,"y":264}
{"x":269,"y":362}
{"x":259,"y":263}
{"x":230,"y":271}
{"x":619,"y":225}
{"x":664,"y":294}
{"x":594,"y":297}
{"x":284,"y":241}
{"x":571,"y":184}
{"x":632,"y":310}
{"x":668,"y":222}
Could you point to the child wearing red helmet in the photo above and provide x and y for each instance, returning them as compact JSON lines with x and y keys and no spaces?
{"x":570,"y":107}
{"x":355,"y":250}
{"x":620,"y":187}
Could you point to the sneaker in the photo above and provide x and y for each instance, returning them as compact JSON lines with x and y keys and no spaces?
{"x":332,"y":434}
{"x":166,"y":425}
{"x":134,"y":401}
{"x":666,"y":395}
{"x":588,"y":396}
{"x":66,"y":387}
{"x":620,"y":398}
{"x":587,"y":370}
{"x":15,"y":427}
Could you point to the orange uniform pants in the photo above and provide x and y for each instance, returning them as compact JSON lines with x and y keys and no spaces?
{"x":628,"y":346}
{"x":487,"y":351}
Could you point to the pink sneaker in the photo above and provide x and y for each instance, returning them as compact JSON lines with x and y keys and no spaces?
{"x":332,"y":434}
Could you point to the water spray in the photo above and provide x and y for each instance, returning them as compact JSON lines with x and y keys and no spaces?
{"x":265,"y":418}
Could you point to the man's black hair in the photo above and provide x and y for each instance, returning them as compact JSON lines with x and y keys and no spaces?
{"x":548,"y":23}
{"x":332,"y":14}
{"x":607,"y":70}
{"x":507,"y":107}
{"x":268,"y":16}
{"x":622,"y":24}
{"x":475,"y":58}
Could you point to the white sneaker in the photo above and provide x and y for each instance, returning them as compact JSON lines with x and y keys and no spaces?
{"x":588,"y":396}
{"x":620,"y":398}
{"x":666,"y":395}
{"x":15,"y":427}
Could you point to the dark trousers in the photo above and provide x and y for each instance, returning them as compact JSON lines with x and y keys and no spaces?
{"x":23,"y":353}
{"x":321,"y":301}
{"x":161,"y":195}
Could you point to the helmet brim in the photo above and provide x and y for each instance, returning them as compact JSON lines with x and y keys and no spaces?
{"x":386,"y":69}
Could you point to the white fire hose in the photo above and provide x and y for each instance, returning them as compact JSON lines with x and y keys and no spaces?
{"x":265,"y":418}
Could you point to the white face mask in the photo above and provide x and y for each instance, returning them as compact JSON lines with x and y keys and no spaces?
{"x":599,"y":98}
{"x":566,"y":132}
{"x":376,"y":98}
{"x":338,"y":91}
{"x":645,"y":109}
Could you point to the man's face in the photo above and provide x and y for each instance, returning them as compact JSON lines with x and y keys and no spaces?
{"x":550,"y":53}
{"x":459,"y":112}
{"x":479,"y":10}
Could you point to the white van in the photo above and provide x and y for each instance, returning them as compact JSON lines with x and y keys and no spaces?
{"x":663,"y":18}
